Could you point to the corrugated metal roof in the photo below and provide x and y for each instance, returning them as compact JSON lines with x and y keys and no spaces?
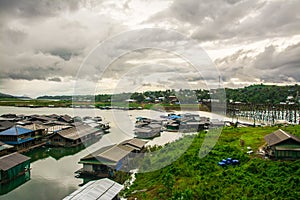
{"x":15,"y":131}
{"x":143,"y":130}
{"x":279,"y":136}
{"x":135,"y":143}
{"x":11,"y":160}
{"x":5,"y":125}
{"x":34,"y":127}
{"x":42,"y":118}
{"x":116,"y":153}
{"x":96,"y":153}
{"x":104,"y":189}
{"x":75,"y":133}
{"x":112,"y":153}
{"x":66,"y":118}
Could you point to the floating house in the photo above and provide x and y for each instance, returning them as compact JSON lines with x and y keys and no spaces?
{"x":172,"y":125}
{"x":105,"y":161}
{"x":55,"y":126}
{"x":4,"y":125}
{"x":18,"y":136}
{"x":192,"y":126}
{"x":283,"y":145}
{"x":147,"y":128}
{"x":103,"y":189}
{"x":187,"y":122}
{"x":39,"y":130}
{"x":65,"y":118}
{"x":5,"y":148}
{"x":146,"y":133}
{"x":136,"y":144}
{"x":40,"y":118}
{"x":75,"y":136}
{"x":12,"y":166}
{"x":10,"y":185}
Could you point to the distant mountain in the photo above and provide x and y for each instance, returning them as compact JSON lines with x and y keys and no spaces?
{"x":2,"y":95}
{"x":9,"y":96}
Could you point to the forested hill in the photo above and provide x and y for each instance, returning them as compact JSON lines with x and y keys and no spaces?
{"x":2,"y":95}
{"x":258,"y":94}
{"x":264,"y":94}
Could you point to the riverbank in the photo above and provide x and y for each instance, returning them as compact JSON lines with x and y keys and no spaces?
{"x":192,"y":177}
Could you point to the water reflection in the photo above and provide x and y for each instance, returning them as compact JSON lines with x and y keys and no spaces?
{"x":85,"y":180}
{"x":55,"y":152}
{"x":53,"y":169}
{"x":13,"y":184}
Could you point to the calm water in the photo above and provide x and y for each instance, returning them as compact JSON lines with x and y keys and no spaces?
{"x":52,"y":173}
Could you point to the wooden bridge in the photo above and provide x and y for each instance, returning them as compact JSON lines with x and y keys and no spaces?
{"x":265,"y":113}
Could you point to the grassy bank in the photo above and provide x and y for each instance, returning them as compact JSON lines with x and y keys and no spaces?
{"x":35,"y":103}
{"x":190,"y":177}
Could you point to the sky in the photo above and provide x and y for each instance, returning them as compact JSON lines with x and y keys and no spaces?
{"x":54,"y":47}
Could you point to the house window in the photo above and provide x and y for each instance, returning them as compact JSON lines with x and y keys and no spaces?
{"x":57,"y":140}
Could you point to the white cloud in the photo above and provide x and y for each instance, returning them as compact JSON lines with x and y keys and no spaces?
{"x":45,"y":42}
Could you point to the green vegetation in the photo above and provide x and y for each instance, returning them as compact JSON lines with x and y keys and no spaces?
{"x":63,"y":97}
{"x":190,"y":177}
{"x":254,"y":94}
{"x":6,"y":96}
{"x":263,"y":94}
{"x":35,"y":103}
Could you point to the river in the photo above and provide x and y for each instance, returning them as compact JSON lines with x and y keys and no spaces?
{"x":52,"y":170}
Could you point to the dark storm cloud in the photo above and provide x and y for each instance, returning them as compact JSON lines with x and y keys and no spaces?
{"x":270,"y":65}
{"x":36,"y":8}
{"x":65,"y":54}
{"x":31,"y":73}
{"x":285,"y":63}
{"x":49,"y":39}
{"x":37,"y":35}
{"x":235,"y":20}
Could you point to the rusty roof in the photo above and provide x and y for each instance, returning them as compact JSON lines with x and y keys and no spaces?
{"x":116,"y":153}
{"x":113,"y":153}
{"x":34,"y":126}
{"x":135,"y":142}
{"x":9,"y":161}
{"x":280,"y":136}
{"x":77,"y":132}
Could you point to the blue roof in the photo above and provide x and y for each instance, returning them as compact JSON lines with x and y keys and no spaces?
{"x":20,"y":141}
{"x":174,"y":117}
{"x":15,"y":130}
